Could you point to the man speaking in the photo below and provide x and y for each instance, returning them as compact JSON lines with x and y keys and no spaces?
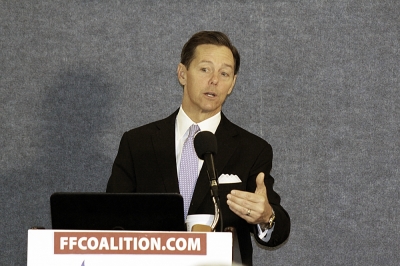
{"x":158,"y":157}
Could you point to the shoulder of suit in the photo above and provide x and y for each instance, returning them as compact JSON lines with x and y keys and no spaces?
{"x":251,"y":137}
{"x":154,"y":126}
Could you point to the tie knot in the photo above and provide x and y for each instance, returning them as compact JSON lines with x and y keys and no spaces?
{"x":193,"y":130}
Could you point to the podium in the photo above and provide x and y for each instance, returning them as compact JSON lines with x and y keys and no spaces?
{"x":90,"y":247}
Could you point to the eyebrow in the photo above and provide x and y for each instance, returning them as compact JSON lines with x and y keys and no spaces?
{"x":225,"y":65}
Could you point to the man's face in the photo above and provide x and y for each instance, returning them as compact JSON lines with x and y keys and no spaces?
{"x":207,"y":82}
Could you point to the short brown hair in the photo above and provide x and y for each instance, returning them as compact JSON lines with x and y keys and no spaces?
{"x":208,"y":37}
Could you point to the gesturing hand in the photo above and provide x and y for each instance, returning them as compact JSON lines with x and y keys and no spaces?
{"x":252,"y":207}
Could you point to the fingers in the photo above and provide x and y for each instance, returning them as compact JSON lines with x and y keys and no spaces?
{"x":246,"y":200}
{"x":249,"y":206}
{"x":243,"y":196}
{"x":241,"y":201}
{"x":244,"y":210}
{"x":260,"y":183}
{"x":261,"y":190}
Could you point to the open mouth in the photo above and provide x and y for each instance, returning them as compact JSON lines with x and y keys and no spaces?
{"x":210,"y":94}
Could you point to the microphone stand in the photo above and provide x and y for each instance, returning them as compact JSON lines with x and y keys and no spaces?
{"x":216,"y":216}
{"x":217,"y":205}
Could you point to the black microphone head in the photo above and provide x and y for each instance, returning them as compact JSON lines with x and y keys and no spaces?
{"x":205,"y":142}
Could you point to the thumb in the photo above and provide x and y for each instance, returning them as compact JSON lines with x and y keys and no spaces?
{"x":260,"y":189}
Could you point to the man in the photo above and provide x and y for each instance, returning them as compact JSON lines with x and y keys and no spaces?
{"x":149,"y":157}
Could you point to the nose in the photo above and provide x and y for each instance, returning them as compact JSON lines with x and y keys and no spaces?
{"x":214,"y":79}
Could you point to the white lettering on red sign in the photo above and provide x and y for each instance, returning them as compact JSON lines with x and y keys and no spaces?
{"x":130,"y":243}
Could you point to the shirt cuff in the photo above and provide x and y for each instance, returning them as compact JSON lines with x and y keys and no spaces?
{"x":265,"y":236}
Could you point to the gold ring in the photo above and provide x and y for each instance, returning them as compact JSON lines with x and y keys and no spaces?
{"x":248,"y":212}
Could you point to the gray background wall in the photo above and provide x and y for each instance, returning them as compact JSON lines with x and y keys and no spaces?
{"x":319,"y":81}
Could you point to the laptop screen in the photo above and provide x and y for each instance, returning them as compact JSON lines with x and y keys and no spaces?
{"x":117,"y":211}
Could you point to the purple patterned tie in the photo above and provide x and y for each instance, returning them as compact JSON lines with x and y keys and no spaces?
{"x":188,"y":170}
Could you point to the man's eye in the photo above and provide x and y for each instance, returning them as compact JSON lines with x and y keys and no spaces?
{"x":204,"y":69}
{"x":225,"y":74}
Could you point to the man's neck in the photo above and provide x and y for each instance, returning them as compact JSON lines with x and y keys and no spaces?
{"x":183,"y":122}
{"x":198,"y":117}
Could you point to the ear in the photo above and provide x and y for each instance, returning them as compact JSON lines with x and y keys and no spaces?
{"x":233,"y":85}
{"x":181,"y":72}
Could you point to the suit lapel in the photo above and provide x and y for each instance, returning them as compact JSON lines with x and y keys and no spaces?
{"x":227,"y":143}
{"x":226,"y":146}
{"x":164,"y":148}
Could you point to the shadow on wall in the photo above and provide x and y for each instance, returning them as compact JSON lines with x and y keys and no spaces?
{"x":68,"y":136}
{"x":76,"y":112}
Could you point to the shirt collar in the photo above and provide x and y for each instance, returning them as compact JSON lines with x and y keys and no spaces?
{"x":183,"y":122}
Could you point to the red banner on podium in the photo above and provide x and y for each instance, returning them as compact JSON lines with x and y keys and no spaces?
{"x":73,"y":242}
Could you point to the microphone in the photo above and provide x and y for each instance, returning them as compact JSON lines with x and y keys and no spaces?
{"x":205,"y":145}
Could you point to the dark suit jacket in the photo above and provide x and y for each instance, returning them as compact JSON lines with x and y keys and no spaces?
{"x":146,"y":163}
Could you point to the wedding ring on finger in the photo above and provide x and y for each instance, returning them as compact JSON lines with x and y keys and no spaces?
{"x":248,"y":212}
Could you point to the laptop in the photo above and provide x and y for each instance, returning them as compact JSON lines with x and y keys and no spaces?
{"x":117,"y":211}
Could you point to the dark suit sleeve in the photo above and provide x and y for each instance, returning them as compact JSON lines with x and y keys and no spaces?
{"x":282,"y":220}
{"x":122,"y":177}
